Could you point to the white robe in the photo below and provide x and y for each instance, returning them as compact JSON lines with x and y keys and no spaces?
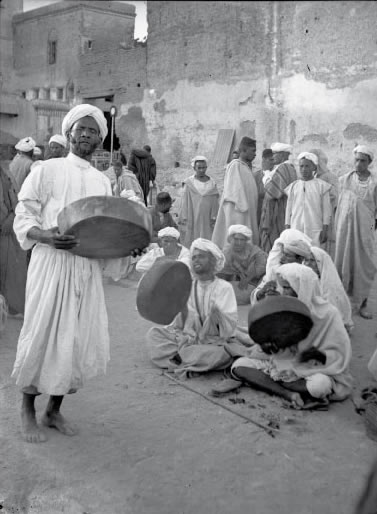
{"x":199,"y":341}
{"x":308,"y":207}
{"x":238,"y":203}
{"x":64,"y":339}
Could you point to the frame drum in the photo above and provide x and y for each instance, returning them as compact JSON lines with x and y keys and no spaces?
{"x":163,"y":291}
{"x":283,"y":320}
{"x":107,"y":227}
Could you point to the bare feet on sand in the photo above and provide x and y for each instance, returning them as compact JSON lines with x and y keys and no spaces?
{"x":56,"y":420}
{"x":30,"y":430}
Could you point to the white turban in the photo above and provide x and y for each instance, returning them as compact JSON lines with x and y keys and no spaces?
{"x":361,"y":149}
{"x":37,"y":151}
{"x":309,"y":157}
{"x":80,"y":111}
{"x":26,"y":144}
{"x":198,"y":158}
{"x":207,"y":246}
{"x":281,"y":147}
{"x":58,"y":139}
{"x":239,"y":229}
{"x":169,"y":232}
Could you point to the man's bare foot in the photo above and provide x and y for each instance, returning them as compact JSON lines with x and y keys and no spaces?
{"x":364,"y":313}
{"x":56,"y":420}
{"x":296,"y":400}
{"x":30,"y":430}
{"x":226,"y":386}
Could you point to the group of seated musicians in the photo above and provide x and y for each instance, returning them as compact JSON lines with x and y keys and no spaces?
{"x":205,"y":335}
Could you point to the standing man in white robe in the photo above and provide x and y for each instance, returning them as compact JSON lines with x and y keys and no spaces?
{"x":355,"y":226}
{"x":308,"y":206}
{"x":239,"y":200}
{"x":64,"y":339}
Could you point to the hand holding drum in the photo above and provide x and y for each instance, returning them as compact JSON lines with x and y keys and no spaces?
{"x":103,"y":227}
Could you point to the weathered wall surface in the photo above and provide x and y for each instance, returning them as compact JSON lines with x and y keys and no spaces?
{"x":300,"y":72}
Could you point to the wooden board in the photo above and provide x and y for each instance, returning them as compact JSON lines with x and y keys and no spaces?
{"x":107,"y":227}
{"x":163,"y":291}
{"x":283,"y":320}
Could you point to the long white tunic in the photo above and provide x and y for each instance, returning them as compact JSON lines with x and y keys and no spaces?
{"x":64,"y":339}
{"x":308,"y":207}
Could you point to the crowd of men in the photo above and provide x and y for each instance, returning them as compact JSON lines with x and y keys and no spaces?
{"x":272,"y":232}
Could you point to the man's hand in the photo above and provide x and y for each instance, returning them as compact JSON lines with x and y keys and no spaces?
{"x":53,"y":238}
{"x":269,"y":348}
{"x":269,"y":289}
{"x":243,"y":283}
{"x":137,"y":251}
{"x":312,"y":354}
{"x":212,"y":222}
{"x":287,"y":226}
{"x":323,"y":236}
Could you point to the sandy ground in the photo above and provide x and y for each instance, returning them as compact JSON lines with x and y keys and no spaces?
{"x":147,"y":445}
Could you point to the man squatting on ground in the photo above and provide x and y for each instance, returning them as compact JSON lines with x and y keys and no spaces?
{"x":64,"y":339}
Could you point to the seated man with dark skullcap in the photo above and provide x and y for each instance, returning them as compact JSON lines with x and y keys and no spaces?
{"x":64,"y":339}
{"x":194,"y":341}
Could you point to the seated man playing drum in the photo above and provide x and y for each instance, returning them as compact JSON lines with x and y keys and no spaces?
{"x":313,"y":371}
{"x":194,"y":341}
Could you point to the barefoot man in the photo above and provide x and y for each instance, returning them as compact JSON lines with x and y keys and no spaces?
{"x":64,"y":339}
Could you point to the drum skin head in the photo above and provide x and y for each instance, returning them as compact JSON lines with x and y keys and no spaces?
{"x":282,"y":320}
{"x":163,"y":291}
{"x":107,"y":227}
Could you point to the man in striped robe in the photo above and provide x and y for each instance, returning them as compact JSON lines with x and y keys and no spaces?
{"x":275,"y":200}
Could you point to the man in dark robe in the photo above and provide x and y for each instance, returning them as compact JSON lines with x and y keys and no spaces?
{"x":13,"y":267}
{"x":143,"y":165}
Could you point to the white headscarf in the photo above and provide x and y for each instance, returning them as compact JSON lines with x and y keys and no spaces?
{"x":309,"y":157}
{"x":207,"y":246}
{"x":26,"y":144}
{"x":58,"y":139}
{"x":239,"y":229}
{"x":80,"y":111}
{"x":331,"y":286}
{"x":169,"y":232}
{"x":292,"y":240}
{"x":303,"y":281}
{"x":281,"y":147}
{"x":363,"y":149}
{"x":198,"y":158}
{"x":322,"y":161}
{"x":37,"y":151}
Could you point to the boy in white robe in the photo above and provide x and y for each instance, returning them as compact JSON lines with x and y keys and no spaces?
{"x":308,"y":206}
{"x":64,"y":339}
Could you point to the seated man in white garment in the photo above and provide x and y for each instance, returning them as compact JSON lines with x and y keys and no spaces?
{"x":168,"y":247}
{"x":314,"y":371}
{"x":194,"y":341}
{"x":64,"y":339}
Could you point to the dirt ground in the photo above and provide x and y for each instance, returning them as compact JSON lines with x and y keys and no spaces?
{"x":147,"y":445}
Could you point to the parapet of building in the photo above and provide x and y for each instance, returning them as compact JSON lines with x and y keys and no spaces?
{"x":48,"y":43}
